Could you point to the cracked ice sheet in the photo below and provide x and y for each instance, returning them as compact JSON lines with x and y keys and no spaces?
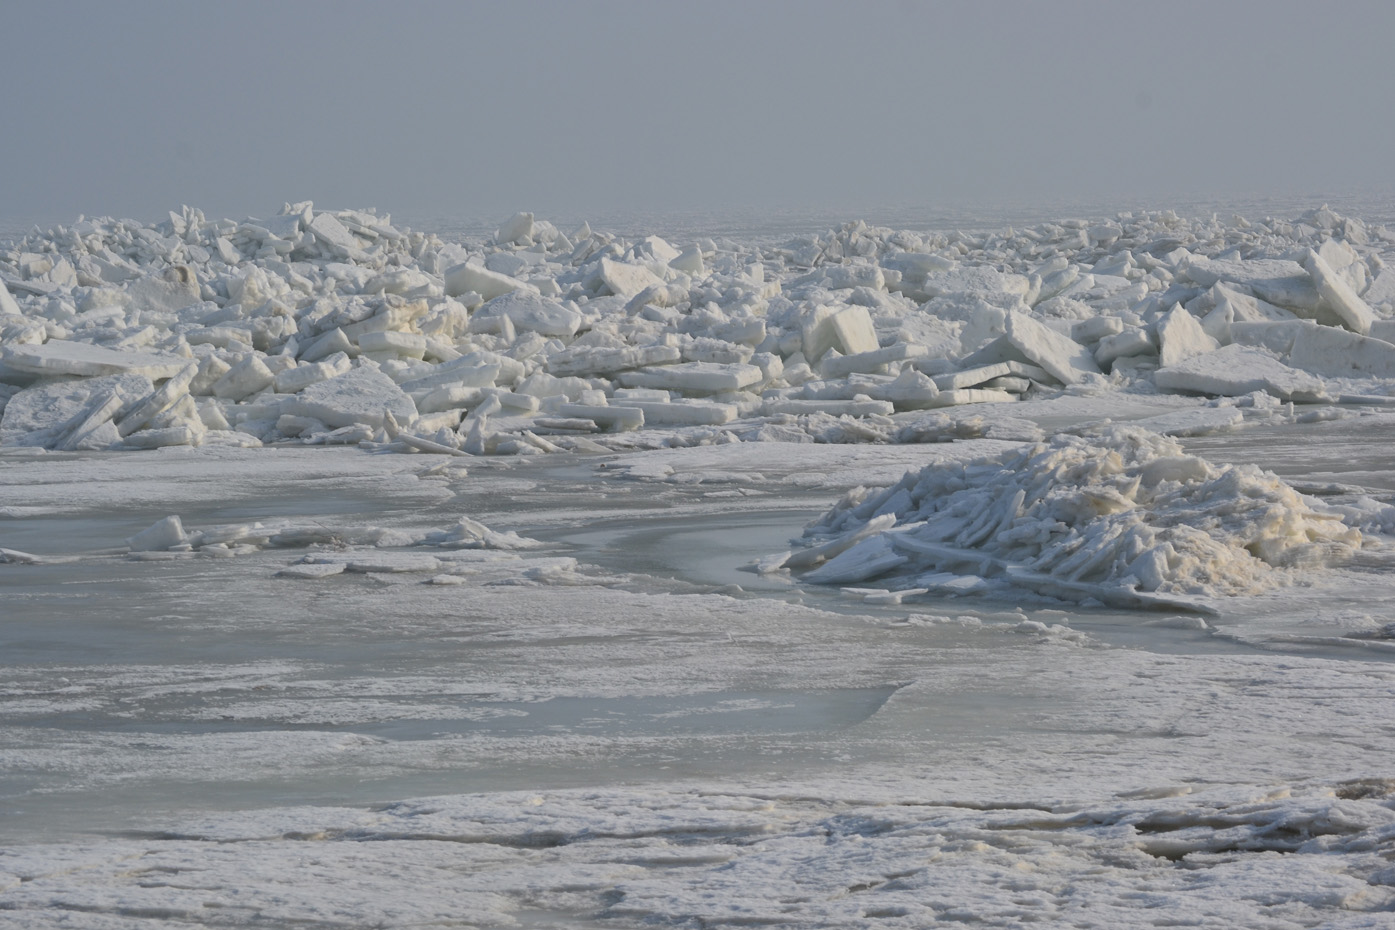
{"x":969,"y":796}
{"x":1223,"y":858}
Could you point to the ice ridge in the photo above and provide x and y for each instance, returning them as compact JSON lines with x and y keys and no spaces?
{"x":326,"y":327}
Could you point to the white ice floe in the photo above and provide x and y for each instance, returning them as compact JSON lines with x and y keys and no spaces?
{"x":363,"y":395}
{"x":1124,"y":518}
{"x":1321,"y":350}
{"x":61,"y":357}
{"x":1066,"y":360}
{"x":1234,"y":370}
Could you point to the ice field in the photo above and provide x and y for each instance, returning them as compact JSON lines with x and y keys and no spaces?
{"x":359,"y":576}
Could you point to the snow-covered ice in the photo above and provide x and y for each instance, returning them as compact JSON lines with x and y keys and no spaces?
{"x":360,"y":576}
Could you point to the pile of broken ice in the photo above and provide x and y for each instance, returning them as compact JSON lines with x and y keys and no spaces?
{"x":337,"y":327}
{"x":469,"y":550}
{"x":1125,"y":519}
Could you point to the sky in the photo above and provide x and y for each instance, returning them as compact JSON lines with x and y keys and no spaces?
{"x":479,"y":109}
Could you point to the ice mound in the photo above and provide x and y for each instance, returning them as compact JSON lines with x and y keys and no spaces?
{"x":1125,"y":517}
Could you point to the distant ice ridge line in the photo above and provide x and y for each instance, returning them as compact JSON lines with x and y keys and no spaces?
{"x":321,"y":327}
{"x":1125,"y":517}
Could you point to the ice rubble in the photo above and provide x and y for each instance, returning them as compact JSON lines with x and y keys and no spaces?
{"x":320,"y":327}
{"x":468,"y":551}
{"x":1125,"y":517}
{"x":168,"y":538}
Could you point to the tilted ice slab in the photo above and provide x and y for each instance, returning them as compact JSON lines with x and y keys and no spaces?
{"x":1235,"y":370}
{"x":52,"y":414}
{"x":1281,"y":282}
{"x":1127,"y":518}
{"x":363,"y":395}
{"x":1320,"y":350}
{"x":76,"y":358}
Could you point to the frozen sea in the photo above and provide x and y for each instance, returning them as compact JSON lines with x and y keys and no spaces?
{"x":624,"y":727}
{"x":659,"y":737}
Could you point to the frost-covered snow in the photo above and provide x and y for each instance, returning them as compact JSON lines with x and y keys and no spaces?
{"x":1100,"y":634}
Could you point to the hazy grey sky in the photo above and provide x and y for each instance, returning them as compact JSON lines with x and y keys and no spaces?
{"x":445,"y":109}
